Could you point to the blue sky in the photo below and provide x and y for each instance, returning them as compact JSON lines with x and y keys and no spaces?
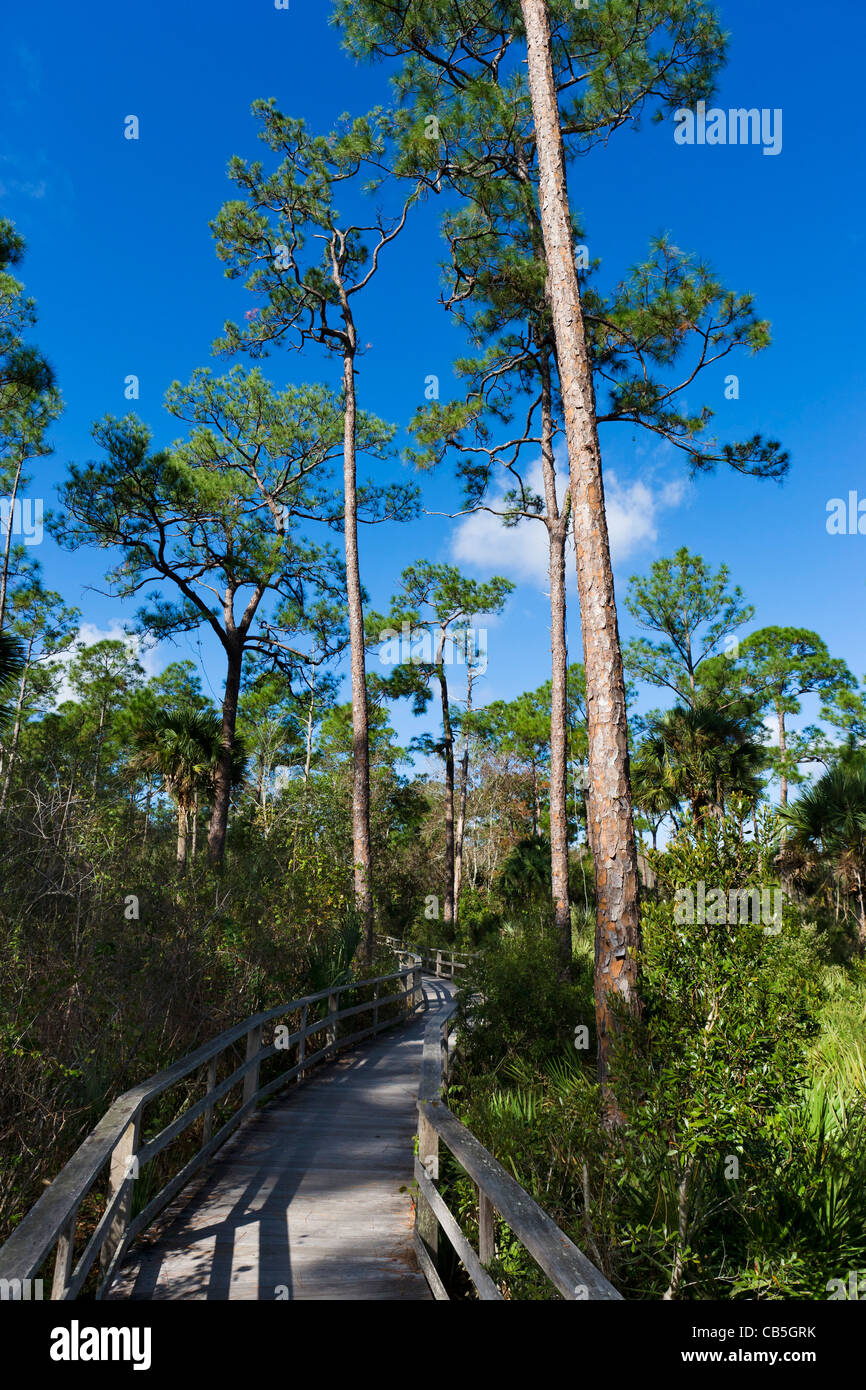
{"x":122,"y":263}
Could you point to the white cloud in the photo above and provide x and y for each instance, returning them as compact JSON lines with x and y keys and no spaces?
{"x":771,"y":728}
{"x":633,"y":510}
{"x":88,"y":636}
{"x":23,"y":190}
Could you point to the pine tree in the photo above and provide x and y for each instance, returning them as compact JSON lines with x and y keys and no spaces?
{"x":309,"y":264}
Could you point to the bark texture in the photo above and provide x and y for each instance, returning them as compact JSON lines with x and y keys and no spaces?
{"x":612,"y":839}
{"x":448,"y":742}
{"x":783,"y":753}
{"x":182,"y":830}
{"x":462,"y":797}
{"x":360,"y":744}
{"x":557,"y":533}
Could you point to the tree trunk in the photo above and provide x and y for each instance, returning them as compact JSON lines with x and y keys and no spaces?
{"x":613,"y":839}
{"x":461,"y":812}
{"x":557,"y":533}
{"x":219,"y":816}
{"x":182,"y":826}
{"x":786,"y":878}
{"x":448,"y":739}
{"x":461,"y":827}
{"x":559,"y":751}
{"x":99,"y":738}
{"x":360,"y":730}
{"x":536,"y":800}
{"x":194,"y":827}
{"x":309,"y":749}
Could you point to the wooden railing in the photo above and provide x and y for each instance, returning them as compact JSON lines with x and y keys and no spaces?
{"x":116,"y":1142}
{"x":567,"y":1268}
{"x":439,"y":961}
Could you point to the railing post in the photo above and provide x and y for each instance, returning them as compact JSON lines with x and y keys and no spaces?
{"x":486,"y":1229}
{"x":254,"y":1047}
{"x":331,"y":1033}
{"x":438,"y":965}
{"x":302,"y":1045}
{"x":63,"y":1258}
{"x":208,"y":1114}
{"x":446,"y":1056}
{"x":376,"y":1007}
{"x":428,"y":1156}
{"x":123,"y":1169}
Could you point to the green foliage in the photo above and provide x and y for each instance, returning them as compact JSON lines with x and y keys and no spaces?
{"x":739,"y":1172}
{"x":480,"y":919}
{"x":699,"y":756}
{"x":614,"y":61}
{"x":25,"y":375}
{"x":12,"y":662}
{"x":692,"y":609}
{"x":838,"y":1056}
{"x":182,"y":746}
{"x":827,"y":825}
{"x":527,"y":1010}
{"x":524,"y":878}
{"x":203,"y":510}
{"x":329,"y":959}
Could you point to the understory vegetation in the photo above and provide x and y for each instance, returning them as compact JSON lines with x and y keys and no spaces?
{"x":741,"y":1172}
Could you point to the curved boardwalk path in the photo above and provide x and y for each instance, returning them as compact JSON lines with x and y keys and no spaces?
{"x":305,"y":1200}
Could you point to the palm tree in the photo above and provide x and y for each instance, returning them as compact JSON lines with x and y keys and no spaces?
{"x":698,"y":755}
{"x":11,"y":665}
{"x":827,"y":826}
{"x":183,"y":747}
{"x":652,"y":792}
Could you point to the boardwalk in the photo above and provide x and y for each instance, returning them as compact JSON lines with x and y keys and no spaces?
{"x":305,"y":1201}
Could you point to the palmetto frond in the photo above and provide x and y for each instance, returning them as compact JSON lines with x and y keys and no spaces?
{"x":182,"y":746}
{"x":699,"y":755}
{"x":11,"y":665}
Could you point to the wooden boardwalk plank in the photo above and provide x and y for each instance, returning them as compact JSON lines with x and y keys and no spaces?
{"x":305,"y":1201}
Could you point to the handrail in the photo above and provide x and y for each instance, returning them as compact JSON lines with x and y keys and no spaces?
{"x":116,"y":1140}
{"x":568,"y":1269}
{"x":432,"y":958}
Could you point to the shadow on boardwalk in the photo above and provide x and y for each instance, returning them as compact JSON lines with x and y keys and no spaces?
{"x":305,"y":1201}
